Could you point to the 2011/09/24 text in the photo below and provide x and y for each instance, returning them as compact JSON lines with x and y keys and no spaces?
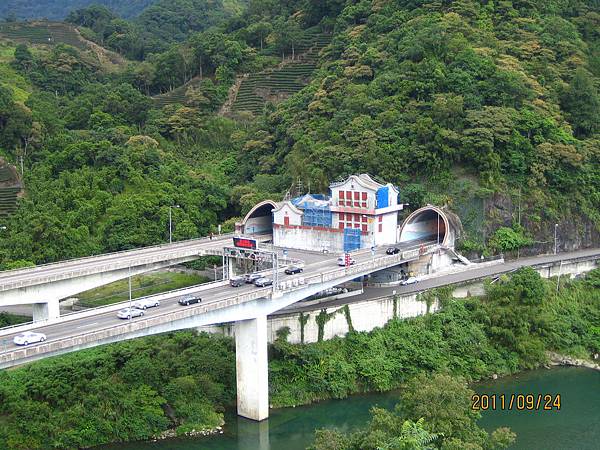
{"x":517,"y":402}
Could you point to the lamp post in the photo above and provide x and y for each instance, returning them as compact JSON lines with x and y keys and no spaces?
{"x":171,"y":223}
{"x":129,"y":283}
{"x":555,"y":238}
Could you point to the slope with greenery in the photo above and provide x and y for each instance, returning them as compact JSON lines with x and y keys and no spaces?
{"x":59,"y":9}
{"x":136,"y":389}
{"x":414,"y":92}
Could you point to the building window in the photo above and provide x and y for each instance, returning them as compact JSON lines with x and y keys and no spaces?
{"x":380,"y":227}
{"x":342,"y":216}
{"x":357,"y":217}
{"x":380,"y":219}
{"x":349,"y":198}
{"x":348,"y":224}
{"x":364,"y":218}
{"x":364,"y":228}
{"x":342,"y":201}
{"x":341,"y":226}
{"x":364,"y":200}
{"x":357,"y":199}
{"x":357,"y":225}
{"x":286,"y":221}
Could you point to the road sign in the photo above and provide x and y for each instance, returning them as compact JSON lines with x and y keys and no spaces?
{"x":241,"y":242}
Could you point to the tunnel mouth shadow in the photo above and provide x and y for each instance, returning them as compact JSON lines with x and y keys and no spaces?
{"x":429,"y":223}
{"x":259,"y":219}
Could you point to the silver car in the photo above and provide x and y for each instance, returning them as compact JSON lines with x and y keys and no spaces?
{"x":128,"y":313}
{"x":146,"y":303}
{"x":29,"y":337}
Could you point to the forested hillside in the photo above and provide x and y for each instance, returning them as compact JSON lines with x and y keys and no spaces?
{"x":490,"y":108}
{"x":59,"y":9}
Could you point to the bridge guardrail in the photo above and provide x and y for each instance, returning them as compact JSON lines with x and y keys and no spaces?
{"x":120,"y":252}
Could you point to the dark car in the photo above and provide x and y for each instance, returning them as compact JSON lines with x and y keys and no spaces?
{"x":236,"y":281}
{"x":250,"y":278}
{"x":263,"y":281}
{"x":291,"y":270}
{"x":392,"y":250}
{"x":189,"y":299}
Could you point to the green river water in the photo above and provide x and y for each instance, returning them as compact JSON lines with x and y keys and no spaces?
{"x":575,"y":427}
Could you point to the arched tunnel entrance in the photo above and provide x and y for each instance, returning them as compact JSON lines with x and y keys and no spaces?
{"x":259,"y":219}
{"x":429,"y":223}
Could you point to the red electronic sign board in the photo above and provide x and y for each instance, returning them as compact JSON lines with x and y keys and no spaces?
{"x":244,"y":243}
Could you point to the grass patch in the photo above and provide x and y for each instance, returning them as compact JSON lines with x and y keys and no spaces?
{"x":10,"y":78}
{"x":141,"y":285}
{"x":7,"y":319}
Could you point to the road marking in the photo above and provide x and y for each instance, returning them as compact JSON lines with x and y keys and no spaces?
{"x":88,"y":325}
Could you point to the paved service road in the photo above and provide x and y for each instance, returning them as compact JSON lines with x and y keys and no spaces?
{"x":443,"y":280}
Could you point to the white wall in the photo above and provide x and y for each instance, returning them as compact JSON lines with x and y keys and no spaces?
{"x":295,"y":218}
{"x":308,"y":239}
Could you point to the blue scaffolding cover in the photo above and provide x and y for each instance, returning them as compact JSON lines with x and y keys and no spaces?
{"x":351,"y":239}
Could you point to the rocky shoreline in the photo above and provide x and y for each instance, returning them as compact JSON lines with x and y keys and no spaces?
{"x":172,"y":433}
{"x":556,"y":359}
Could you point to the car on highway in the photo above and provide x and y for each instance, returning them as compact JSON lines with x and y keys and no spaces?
{"x":291,"y":270}
{"x":189,"y":299}
{"x":409,"y":280}
{"x":250,"y":278}
{"x":145,"y":303}
{"x":236,"y":281}
{"x":29,"y":337}
{"x":341,"y":261}
{"x":128,"y":313}
{"x":263,"y":281}
{"x":392,"y":250}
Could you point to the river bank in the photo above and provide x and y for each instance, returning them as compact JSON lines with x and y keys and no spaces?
{"x":293,"y":428}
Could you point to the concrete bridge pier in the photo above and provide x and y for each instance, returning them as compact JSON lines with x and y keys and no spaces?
{"x":252,"y":368}
{"x":46,"y":311}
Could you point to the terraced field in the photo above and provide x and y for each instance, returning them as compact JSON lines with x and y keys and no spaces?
{"x":42,"y":32}
{"x":176,"y":95}
{"x":279,"y":83}
{"x":8,"y":192}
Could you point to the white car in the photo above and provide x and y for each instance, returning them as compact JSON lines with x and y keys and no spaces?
{"x":146,"y":303}
{"x":128,"y":313}
{"x":341,"y":261}
{"x":29,"y":337}
{"x":409,"y":280}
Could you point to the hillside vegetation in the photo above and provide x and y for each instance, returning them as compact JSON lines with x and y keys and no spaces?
{"x":59,"y":9}
{"x":492,"y":109}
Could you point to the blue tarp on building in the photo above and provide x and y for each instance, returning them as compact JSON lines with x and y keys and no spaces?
{"x":382,"y":197}
{"x":351,"y":239}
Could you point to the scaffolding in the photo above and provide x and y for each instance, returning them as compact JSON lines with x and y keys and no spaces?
{"x":316,"y":208}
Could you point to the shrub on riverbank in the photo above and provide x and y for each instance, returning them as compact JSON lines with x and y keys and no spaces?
{"x":123,"y":392}
{"x":507,"y":330}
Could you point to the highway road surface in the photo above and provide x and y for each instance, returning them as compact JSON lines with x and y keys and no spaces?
{"x":69,"y":326}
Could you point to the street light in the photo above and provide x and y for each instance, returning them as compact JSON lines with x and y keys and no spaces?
{"x":129,"y":282}
{"x":171,"y":223}
{"x":555,"y":237}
